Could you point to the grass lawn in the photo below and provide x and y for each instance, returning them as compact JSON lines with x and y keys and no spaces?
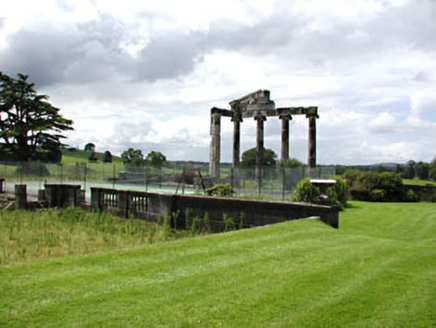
{"x":418,"y":182}
{"x":377,"y":270}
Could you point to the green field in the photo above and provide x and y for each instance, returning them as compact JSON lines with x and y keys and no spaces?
{"x":418,"y":182}
{"x":377,"y":270}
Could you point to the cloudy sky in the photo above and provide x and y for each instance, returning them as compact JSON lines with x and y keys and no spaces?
{"x":145,"y":74}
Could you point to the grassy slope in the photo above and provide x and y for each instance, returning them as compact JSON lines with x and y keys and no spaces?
{"x":377,"y":270}
{"x":81,"y":156}
{"x":418,"y":182}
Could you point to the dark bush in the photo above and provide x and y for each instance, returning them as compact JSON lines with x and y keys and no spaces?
{"x":377,"y":187}
{"x":411,"y":196}
{"x":338,"y":193}
{"x":305,"y":192}
{"x":221,"y":190}
{"x":107,"y":157}
{"x":378,"y":195}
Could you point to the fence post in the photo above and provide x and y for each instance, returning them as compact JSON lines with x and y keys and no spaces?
{"x":160,"y":177}
{"x":20,"y":172}
{"x":283,"y":183}
{"x":39,"y":175}
{"x":183,"y":181}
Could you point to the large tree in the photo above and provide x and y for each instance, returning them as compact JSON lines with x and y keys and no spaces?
{"x":269,"y":158}
{"x":133,"y":158}
{"x":30,"y":127}
{"x":157,"y":159}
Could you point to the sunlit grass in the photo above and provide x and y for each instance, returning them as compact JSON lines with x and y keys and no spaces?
{"x":377,"y":270}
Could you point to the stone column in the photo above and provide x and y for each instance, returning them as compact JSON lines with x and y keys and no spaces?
{"x":285,"y":136}
{"x":20,"y":196}
{"x":259,"y":148}
{"x":312,"y":141}
{"x":236,"y":148}
{"x":236,"y":141}
{"x":215,"y":146}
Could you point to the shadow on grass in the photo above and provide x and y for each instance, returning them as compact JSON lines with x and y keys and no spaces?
{"x":351,"y":206}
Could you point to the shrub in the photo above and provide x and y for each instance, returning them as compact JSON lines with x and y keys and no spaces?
{"x":107,"y":157}
{"x":351,"y":176}
{"x":229,"y":224}
{"x":195,"y":226}
{"x":221,"y":190}
{"x":411,"y":196}
{"x":305,"y":192}
{"x":206,"y":223}
{"x":368,"y":186}
{"x":92,"y":157}
{"x":377,"y":195}
{"x":359,"y":194}
{"x":338,"y":193}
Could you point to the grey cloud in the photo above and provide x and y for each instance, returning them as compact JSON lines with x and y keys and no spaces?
{"x":167,"y":57}
{"x":91,"y":52}
{"x":266,"y":36}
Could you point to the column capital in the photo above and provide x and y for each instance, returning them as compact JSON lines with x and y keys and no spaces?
{"x":260,"y":118}
{"x":285,"y":117}
{"x":237,"y":118}
{"x":312,"y":116}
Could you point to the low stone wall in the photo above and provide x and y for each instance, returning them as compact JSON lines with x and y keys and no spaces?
{"x":426,"y":193}
{"x":151,"y":206}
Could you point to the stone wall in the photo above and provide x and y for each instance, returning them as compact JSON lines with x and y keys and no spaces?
{"x":151,"y":206}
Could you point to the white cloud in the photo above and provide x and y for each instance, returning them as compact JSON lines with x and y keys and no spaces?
{"x":146,"y":73}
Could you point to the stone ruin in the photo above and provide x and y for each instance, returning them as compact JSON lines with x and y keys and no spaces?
{"x":259,"y":106}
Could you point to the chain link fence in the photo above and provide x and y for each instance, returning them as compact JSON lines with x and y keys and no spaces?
{"x":275,"y":183}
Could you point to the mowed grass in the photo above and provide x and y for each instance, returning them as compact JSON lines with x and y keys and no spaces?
{"x":377,"y":270}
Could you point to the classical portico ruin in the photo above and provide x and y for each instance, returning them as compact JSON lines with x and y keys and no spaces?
{"x":259,"y":106}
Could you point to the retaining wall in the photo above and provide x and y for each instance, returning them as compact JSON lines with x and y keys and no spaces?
{"x":152,"y":206}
